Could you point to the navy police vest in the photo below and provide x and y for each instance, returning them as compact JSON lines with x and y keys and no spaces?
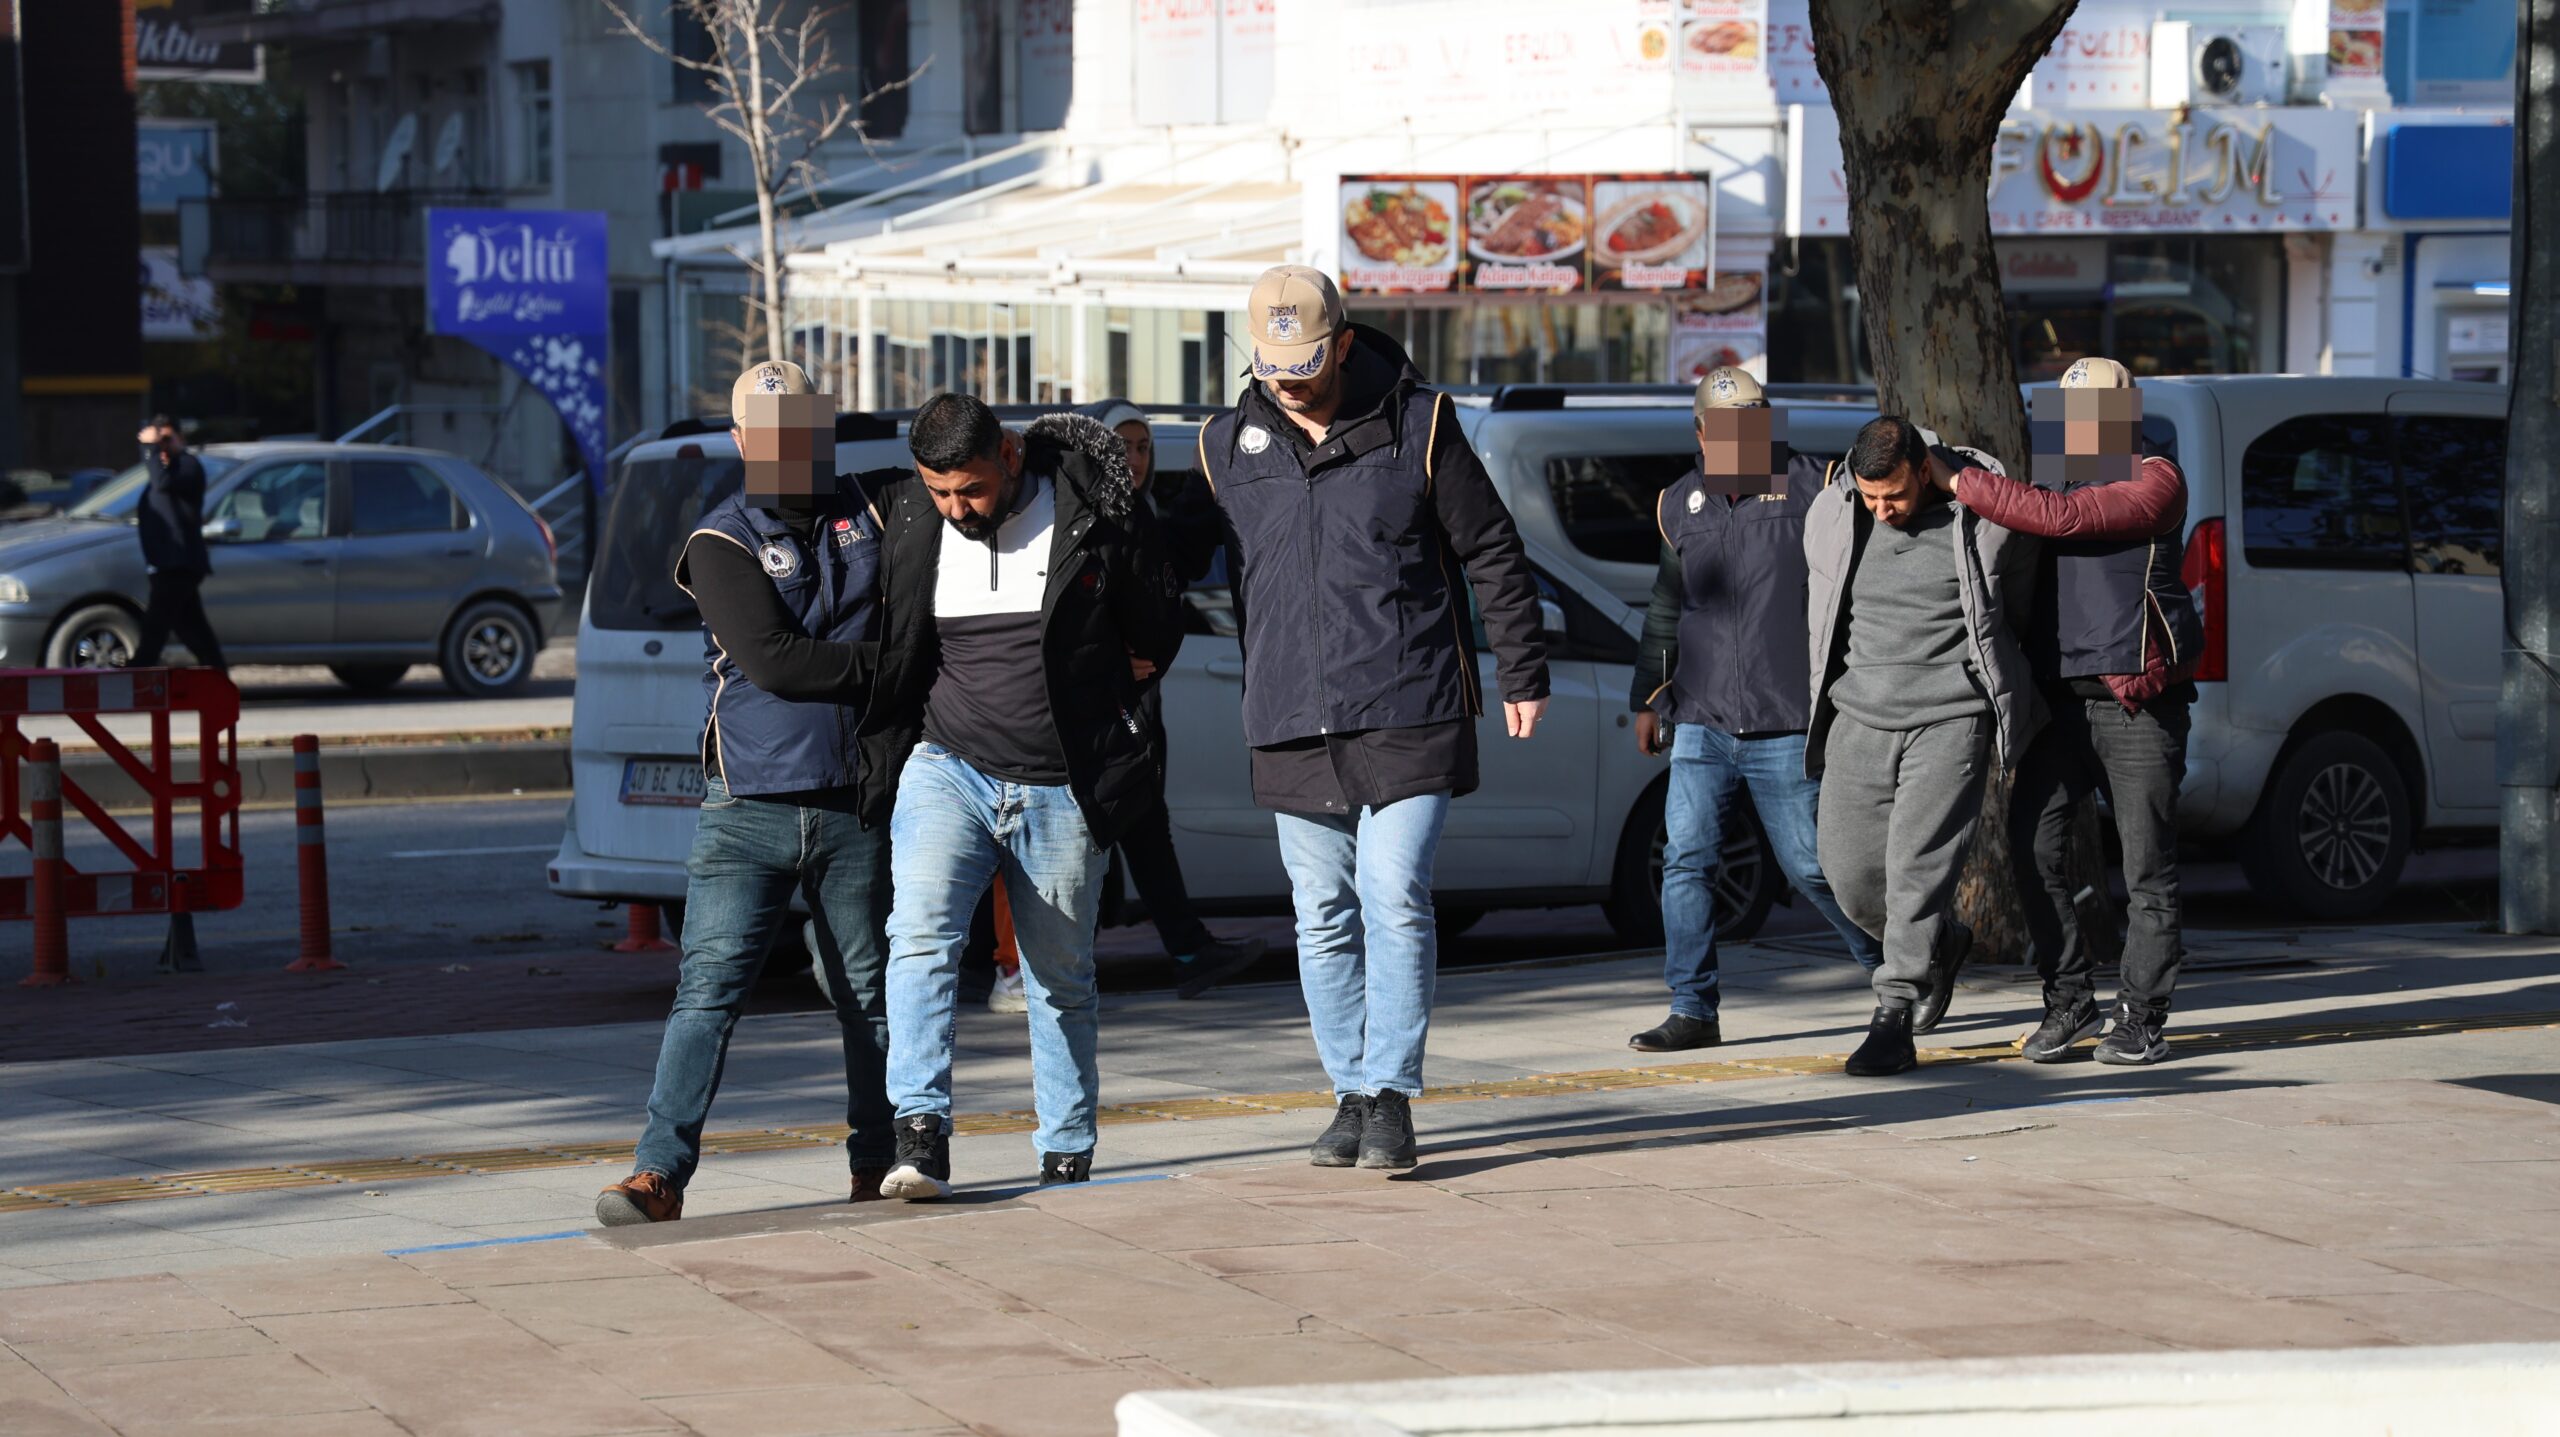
{"x":2102,"y":591}
{"x":1741,"y":664}
{"x":765,"y":745}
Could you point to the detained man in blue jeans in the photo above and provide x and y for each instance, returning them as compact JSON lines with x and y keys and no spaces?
{"x":1723,"y":667}
{"x":786,"y":574}
{"x":1351,"y":501}
{"x":1026,"y":606}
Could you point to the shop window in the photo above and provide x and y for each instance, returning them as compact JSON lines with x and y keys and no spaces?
{"x":1606,"y":501}
{"x":689,"y":44}
{"x":533,"y":123}
{"x":1116,"y":366}
{"x":2454,"y":470}
{"x":2317,"y":493}
{"x":982,"y":67}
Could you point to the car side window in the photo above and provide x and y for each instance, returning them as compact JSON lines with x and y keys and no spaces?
{"x":2318,"y":493}
{"x":2454,"y":468}
{"x":1588,"y":634}
{"x":1605,"y":501}
{"x":283,"y":501}
{"x":397,"y":497}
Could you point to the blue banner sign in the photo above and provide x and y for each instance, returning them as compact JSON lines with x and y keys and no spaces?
{"x":530,"y":287}
{"x":173,"y":161}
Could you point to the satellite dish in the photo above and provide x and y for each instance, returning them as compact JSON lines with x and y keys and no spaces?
{"x":449,"y":145}
{"x":395,"y":153}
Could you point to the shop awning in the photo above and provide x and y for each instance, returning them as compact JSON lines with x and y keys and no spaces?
{"x":1222,"y":233}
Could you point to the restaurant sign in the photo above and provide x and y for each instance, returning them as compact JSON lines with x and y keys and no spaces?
{"x":1526,"y":234}
{"x":2259,"y":171}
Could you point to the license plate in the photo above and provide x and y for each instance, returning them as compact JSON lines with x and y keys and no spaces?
{"x":673,"y":782}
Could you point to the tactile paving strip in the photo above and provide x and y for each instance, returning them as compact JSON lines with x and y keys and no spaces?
{"x":101,"y":1191}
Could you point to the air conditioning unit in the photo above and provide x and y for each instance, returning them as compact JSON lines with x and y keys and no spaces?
{"x":2194,"y":64}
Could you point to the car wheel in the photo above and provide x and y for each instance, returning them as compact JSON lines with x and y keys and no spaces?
{"x":370,"y":678}
{"x":489,"y":649}
{"x":1747,"y":882}
{"x":2332,"y":829}
{"x":101,"y":636}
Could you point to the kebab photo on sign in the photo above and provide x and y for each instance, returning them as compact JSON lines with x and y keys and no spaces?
{"x":1650,"y":232}
{"x":1528,"y":222}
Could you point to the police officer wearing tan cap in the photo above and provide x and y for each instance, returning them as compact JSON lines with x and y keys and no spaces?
{"x":1721,"y":682}
{"x":1354,"y":507}
{"x":786,"y":573}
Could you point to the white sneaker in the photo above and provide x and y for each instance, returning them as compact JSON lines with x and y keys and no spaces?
{"x":1007,"y":995}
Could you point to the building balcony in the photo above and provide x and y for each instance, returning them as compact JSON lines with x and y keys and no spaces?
{"x":337,"y":22}
{"x":356,"y":237}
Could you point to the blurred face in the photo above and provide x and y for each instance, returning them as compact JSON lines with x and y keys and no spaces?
{"x":1142,"y":452}
{"x":1742,"y":451}
{"x":2084,"y":436}
{"x":789,"y":444}
{"x":974,"y":497}
{"x":161,"y":438}
{"x":1896,"y":497}
{"x":1318,"y":393}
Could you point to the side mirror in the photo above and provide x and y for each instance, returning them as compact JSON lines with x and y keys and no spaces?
{"x":1551,"y":620}
{"x":223,"y":529}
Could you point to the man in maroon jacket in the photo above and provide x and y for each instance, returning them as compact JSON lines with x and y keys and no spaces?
{"x":2113,"y":640}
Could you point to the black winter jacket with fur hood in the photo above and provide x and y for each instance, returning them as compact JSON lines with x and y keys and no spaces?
{"x":1105,"y":601}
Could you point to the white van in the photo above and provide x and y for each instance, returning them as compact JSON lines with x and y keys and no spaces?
{"x":1573,"y":816}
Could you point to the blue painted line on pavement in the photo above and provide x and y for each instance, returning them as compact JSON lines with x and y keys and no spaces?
{"x":485,"y":1242}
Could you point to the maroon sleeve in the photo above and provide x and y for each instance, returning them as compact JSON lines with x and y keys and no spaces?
{"x":2152,"y":502}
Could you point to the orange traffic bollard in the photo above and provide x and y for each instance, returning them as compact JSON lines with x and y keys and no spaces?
{"x":44,"y":810}
{"x":311,"y":851}
{"x":641,"y":933}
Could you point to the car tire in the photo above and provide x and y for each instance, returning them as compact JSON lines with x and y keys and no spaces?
{"x":370,"y":678}
{"x":101,"y":636}
{"x":1748,"y":880}
{"x":2332,"y":830}
{"x":488,"y":650}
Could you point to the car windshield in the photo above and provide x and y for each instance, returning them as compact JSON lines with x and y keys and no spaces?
{"x":120,"y":496}
{"x":654,"y":509}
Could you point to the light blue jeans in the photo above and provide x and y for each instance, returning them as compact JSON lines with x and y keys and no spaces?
{"x":1707,"y":765}
{"x":954,"y":831}
{"x":1368,"y":945}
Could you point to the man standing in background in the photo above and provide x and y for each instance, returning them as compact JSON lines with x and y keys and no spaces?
{"x":171,"y":524}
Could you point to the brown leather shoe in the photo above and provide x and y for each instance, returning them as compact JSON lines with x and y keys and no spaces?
{"x":866,"y":1185}
{"x":643,"y":1197}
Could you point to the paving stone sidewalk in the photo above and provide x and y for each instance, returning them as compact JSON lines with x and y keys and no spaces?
{"x":2358,"y":1183}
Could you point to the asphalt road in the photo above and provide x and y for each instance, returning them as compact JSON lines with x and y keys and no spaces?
{"x":278,"y":702}
{"x":461,"y":881}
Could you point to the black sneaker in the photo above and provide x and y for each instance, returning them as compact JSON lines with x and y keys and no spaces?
{"x":1340,"y":1145}
{"x":1217,"y":961}
{"x":2135,"y":1040}
{"x":1056,"y":1168}
{"x":1678,"y":1033}
{"x":2063,"y":1027}
{"x":1388,"y":1142}
{"x":1942,"y":978}
{"x":1888,"y":1049}
{"x":922,"y":1172}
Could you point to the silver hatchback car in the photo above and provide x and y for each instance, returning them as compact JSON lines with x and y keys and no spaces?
{"x":366,"y":558}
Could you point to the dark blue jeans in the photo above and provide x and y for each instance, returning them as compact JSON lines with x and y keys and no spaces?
{"x":1707,"y":766}
{"x":749,"y":857}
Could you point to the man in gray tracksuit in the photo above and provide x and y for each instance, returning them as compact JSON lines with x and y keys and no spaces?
{"x":1919,"y":681}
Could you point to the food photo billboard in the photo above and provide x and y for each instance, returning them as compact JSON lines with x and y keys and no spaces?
{"x":1527,"y":234}
{"x":1399,"y":234}
{"x":1651,"y":232}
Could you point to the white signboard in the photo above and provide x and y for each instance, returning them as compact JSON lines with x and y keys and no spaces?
{"x":1722,"y":50}
{"x":2255,"y":171}
{"x":175,"y":307}
{"x":1248,"y":35}
{"x":1398,"y":60}
{"x":1174,"y":50}
{"x":1790,"y":45}
{"x":2101,"y":60}
{"x":1045,"y":54}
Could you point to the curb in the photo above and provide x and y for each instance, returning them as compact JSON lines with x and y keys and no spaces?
{"x":371,"y":770}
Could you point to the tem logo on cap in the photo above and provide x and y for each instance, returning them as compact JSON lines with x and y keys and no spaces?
{"x":1254,"y":440}
{"x":778,"y":560}
{"x":1723,"y":387}
{"x":1283,"y":324}
{"x":771,"y":379}
{"x":2077,"y":376}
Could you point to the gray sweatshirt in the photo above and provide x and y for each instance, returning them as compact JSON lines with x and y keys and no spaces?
{"x":1907,"y":635}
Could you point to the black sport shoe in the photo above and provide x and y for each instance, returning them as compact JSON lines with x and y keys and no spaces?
{"x":1942,"y":978}
{"x":1340,"y":1145}
{"x":1056,"y":1168}
{"x":1888,"y":1049}
{"x":2135,"y":1040}
{"x":1217,"y":961}
{"x":1388,"y":1143}
{"x":2062,"y":1028}
{"x":1677,"y":1033}
{"x":922,"y":1172}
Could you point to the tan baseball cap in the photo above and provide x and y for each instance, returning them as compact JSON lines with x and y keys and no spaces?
{"x":1729,"y":388}
{"x":2096,"y":374}
{"x":1293,"y":313}
{"x":773,"y":376}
